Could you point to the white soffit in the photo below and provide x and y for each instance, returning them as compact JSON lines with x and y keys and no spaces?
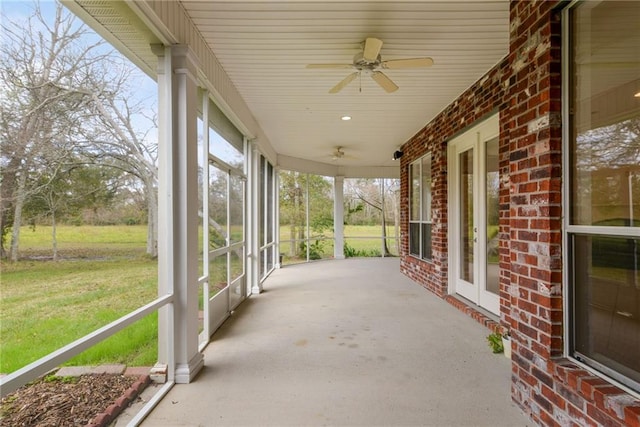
{"x":263,"y":47}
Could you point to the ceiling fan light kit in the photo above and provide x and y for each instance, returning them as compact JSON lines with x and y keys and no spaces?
{"x":369,"y":61}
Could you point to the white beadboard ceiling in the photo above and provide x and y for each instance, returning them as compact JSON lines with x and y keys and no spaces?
{"x":264,"y":46}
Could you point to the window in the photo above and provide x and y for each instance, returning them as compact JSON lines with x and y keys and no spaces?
{"x":603,"y":193}
{"x":420,"y":208}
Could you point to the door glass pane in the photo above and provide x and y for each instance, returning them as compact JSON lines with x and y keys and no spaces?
{"x":492,"y":187}
{"x":466,"y":216}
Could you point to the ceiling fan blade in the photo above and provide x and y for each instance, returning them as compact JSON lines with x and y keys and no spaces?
{"x":337,"y":88}
{"x":385,"y":82}
{"x":407,"y":63}
{"x":372,"y":48}
{"x":329,"y":66}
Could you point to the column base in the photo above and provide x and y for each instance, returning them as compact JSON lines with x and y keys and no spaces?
{"x":185,"y":373}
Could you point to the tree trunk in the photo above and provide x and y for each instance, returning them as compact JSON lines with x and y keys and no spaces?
{"x":293,"y":247}
{"x":54,"y":237}
{"x":296,"y":209}
{"x":17,"y":216}
{"x":152,"y":219}
{"x":8,"y":179}
{"x":396,"y":222}
{"x":385,"y":246}
{"x":301,"y":239}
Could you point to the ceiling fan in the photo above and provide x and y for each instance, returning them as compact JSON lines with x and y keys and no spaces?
{"x":369,"y":60}
{"x":338,"y":153}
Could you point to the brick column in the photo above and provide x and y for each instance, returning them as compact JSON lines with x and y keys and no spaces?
{"x":535,"y":214}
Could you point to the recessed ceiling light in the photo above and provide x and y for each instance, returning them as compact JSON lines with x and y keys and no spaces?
{"x":345,"y":118}
{"x":637,"y":95}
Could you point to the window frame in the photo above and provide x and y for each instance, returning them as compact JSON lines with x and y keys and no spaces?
{"x":425,"y":253}
{"x":571,"y":230}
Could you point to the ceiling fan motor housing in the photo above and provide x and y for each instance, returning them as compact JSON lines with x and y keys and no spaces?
{"x":368,"y":61}
{"x":360,"y":63}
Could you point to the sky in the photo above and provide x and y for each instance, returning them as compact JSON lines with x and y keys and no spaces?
{"x":19,"y":10}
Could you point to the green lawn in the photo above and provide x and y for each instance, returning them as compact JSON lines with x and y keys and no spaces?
{"x":104,"y":275}
{"x":363,"y":239}
{"x":84,"y":241}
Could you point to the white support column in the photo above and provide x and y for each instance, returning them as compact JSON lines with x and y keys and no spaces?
{"x":254,"y":217}
{"x":276,"y":213}
{"x":204,"y":154}
{"x":338,"y":217}
{"x":178,"y":213}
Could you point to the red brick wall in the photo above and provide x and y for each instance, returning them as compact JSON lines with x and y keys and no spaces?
{"x":526,"y":90}
{"x":553,"y":390}
{"x":481,"y":100}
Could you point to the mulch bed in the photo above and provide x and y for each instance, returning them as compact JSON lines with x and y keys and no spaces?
{"x":93,"y":399}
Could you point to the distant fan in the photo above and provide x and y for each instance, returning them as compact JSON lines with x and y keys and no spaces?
{"x":338,"y":153}
{"x":369,"y":60}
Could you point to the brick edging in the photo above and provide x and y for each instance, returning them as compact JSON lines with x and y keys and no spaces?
{"x":103,"y":419}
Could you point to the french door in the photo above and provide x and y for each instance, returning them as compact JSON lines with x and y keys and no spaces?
{"x":473,"y":215}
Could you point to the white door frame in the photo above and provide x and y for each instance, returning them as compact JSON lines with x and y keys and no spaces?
{"x":474,"y":138}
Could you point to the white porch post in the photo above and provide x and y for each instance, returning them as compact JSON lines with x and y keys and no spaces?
{"x":254,"y":218}
{"x":276,"y":213}
{"x":338,"y":217}
{"x":178,"y":213}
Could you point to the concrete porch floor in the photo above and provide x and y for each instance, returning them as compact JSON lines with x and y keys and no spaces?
{"x":345,"y":342}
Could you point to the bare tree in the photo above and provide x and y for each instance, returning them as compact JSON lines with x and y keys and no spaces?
{"x":42,"y":66}
{"x":113,"y":134}
{"x":61,"y":90}
{"x":378,"y":197}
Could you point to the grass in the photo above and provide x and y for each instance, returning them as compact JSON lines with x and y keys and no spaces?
{"x":364,"y":239}
{"x":103,"y":274}
{"x":45,"y":305}
{"x":84,"y":241}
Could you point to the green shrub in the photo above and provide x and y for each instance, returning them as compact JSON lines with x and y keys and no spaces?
{"x":316,"y":249}
{"x":351,"y":252}
{"x":495,"y":342}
